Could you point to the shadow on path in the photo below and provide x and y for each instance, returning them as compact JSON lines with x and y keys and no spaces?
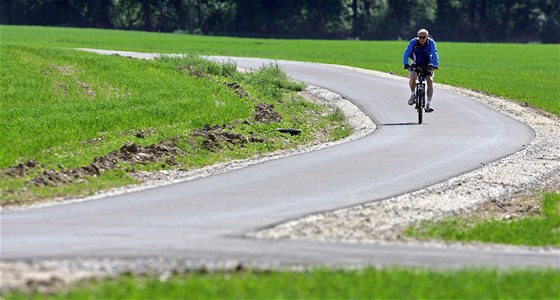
{"x":398,"y":124}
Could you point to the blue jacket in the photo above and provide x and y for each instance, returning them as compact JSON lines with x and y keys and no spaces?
{"x":414,"y":48}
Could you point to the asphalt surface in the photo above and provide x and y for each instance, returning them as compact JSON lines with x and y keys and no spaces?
{"x":206,"y":218}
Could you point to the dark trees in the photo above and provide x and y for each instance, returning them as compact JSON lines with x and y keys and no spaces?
{"x":452,"y":20}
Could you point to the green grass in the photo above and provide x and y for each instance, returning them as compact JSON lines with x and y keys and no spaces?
{"x":542,"y":230}
{"x":369,"y":283}
{"x":58,"y":96}
{"x":522,"y":72}
{"x":63,"y":108}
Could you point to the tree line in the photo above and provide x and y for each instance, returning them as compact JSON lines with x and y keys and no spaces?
{"x":450,"y":20}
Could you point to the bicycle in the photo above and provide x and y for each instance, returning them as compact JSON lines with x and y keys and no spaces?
{"x":420,"y":97}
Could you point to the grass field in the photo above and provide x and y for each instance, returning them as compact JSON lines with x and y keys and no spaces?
{"x":64,"y":108}
{"x":522,"y":72}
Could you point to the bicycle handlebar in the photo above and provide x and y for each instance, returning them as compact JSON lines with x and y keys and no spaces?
{"x":423,"y":70}
{"x":415,"y":67}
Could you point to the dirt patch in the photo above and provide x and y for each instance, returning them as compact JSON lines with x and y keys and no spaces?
{"x":86,"y":89}
{"x":192,"y":71}
{"x":144,"y":133}
{"x":61,"y":88}
{"x":234,"y":86}
{"x":216,"y":137}
{"x":517,"y":206}
{"x":266,"y":113}
{"x":507,"y":209}
{"x":66,"y":70}
{"x":129,"y":154}
{"x":21,"y":170}
{"x":238,"y":89}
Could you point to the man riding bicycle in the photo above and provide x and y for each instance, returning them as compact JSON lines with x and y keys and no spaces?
{"x":423,"y":52}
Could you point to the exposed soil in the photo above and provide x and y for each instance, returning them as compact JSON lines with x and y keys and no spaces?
{"x":215,"y":138}
{"x":192,"y":71}
{"x":266,"y":113}
{"x":61,"y":88}
{"x":508,"y":208}
{"x":21,"y":170}
{"x":236,"y":87}
{"x":129,"y":154}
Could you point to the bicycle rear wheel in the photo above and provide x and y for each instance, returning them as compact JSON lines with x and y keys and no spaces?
{"x":420,"y":107}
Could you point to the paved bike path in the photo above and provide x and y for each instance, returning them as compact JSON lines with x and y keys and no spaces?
{"x":206,"y":218}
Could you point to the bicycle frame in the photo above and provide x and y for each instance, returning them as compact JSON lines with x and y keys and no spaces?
{"x":420,"y":90}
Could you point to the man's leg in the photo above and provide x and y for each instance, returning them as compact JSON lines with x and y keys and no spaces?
{"x":430,"y":83}
{"x":412,"y":81}
{"x":430,"y":93}
{"x":412,"y":84}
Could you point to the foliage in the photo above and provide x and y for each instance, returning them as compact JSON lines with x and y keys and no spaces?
{"x":543,"y":230}
{"x":451,"y":20}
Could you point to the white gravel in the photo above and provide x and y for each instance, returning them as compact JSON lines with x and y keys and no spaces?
{"x":535,"y":168}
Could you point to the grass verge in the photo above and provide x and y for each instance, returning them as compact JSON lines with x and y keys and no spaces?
{"x":368,"y":283}
{"x":76,"y":122}
{"x":542,"y":230}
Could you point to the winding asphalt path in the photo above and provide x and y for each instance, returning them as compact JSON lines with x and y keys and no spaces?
{"x":206,"y":218}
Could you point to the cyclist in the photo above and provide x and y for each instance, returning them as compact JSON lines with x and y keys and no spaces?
{"x":422,"y":50}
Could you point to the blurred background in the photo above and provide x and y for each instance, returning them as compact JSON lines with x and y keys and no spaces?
{"x":518,"y":21}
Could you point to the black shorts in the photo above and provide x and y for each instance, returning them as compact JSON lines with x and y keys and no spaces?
{"x":430,"y":73}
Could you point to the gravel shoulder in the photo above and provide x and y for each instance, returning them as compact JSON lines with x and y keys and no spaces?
{"x":500,"y":189}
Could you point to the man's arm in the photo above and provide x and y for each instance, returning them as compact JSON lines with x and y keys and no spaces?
{"x":408,"y":52}
{"x":434,"y":56}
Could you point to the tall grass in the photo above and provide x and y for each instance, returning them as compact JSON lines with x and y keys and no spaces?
{"x":522,"y":72}
{"x":58,"y":96}
{"x":64,"y":108}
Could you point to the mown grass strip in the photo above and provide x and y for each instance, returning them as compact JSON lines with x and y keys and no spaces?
{"x":522,"y":72}
{"x":543,"y":230}
{"x":369,"y":283}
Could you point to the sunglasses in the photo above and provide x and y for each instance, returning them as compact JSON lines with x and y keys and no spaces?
{"x":422,"y":37}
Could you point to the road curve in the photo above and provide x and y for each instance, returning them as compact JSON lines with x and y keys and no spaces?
{"x":206,"y":218}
